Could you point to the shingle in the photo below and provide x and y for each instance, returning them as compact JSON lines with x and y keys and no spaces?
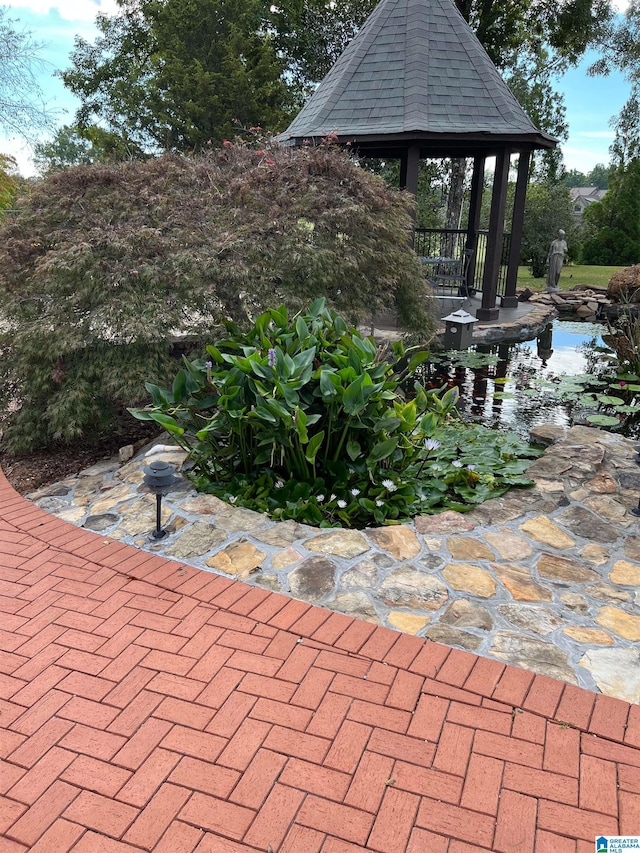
{"x":416,"y":58}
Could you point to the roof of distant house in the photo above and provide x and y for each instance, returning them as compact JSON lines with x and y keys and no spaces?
{"x":587,"y":194}
{"x":415,"y":69}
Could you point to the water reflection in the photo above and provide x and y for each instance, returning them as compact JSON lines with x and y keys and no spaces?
{"x":522,"y":385}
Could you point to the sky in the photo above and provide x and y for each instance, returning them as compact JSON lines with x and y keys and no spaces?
{"x":590,"y":102}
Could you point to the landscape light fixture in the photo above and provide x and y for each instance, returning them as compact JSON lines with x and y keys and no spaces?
{"x":159,"y":479}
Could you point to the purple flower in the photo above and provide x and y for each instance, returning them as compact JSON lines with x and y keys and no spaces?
{"x":272,"y":357}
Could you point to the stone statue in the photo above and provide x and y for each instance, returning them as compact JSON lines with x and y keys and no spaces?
{"x":555,"y":260}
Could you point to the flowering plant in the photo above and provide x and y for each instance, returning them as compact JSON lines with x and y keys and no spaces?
{"x":303,"y":418}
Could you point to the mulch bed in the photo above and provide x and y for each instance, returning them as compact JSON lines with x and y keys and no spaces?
{"x":30,"y":472}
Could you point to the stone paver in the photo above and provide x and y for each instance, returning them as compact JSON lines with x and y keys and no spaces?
{"x":553,"y":570}
{"x":148,"y":705}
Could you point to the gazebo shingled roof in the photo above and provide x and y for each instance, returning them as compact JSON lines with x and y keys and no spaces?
{"x":415,"y":83}
{"x":415,"y":69}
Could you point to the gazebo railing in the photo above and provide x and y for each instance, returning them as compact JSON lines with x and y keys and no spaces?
{"x":451,"y":243}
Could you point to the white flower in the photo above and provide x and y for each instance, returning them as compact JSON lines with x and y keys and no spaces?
{"x":320,"y":498}
{"x":471,"y":467}
{"x":457,"y":463}
{"x":342,"y":504}
{"x":233,"y":499}
{"x":332,"y":498}
{"x":379,"y":502}
{"x":278,"y":484}
{"x":355,"y":492}
{"x":431,"y":444}
{"x":389,"y":485}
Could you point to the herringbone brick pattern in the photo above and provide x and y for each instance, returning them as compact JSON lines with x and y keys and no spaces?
{"x":149,"y":706}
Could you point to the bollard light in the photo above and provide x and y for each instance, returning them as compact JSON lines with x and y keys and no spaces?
{"x":636,"y":511}
{"x":458,"y":331}
{"x":159,"y":479}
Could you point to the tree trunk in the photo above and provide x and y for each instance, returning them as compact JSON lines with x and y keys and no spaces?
{"x":455,"y":199}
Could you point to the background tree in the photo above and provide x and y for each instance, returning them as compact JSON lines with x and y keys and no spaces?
{"x":614,"y":222}
{"x":180,"y":74}
{"x":103,"y":265}
{"x":22,"y":108}
{"x":626,"y":143}
{"x":599,"y":176}
{"x":9,"y":183}
{"x":531,"y":83}
{"x":548,"y":208}
{"x":312,"y":34}
{"x":72,"y":146}
{"x":173,"y":74}
{"x":574,"y":178}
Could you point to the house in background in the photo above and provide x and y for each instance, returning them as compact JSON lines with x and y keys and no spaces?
{"x":582,"y":197}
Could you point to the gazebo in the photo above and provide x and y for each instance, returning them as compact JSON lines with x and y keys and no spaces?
{"x":416,"y":83}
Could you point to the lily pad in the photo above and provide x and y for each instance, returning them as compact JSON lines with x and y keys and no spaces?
{"x":609,"y":400}
{"x":602,"y":420}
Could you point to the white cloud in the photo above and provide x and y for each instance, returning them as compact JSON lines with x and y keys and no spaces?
{"x":583,"y":159}
{"x":69,"y":10}
{"x":620,"y":5}
{"x":594,"y":134}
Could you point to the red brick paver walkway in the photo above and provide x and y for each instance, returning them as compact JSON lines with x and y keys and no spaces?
{"x":149,"y":706}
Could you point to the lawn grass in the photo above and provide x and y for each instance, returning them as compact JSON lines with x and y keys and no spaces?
{"x":572,"y":275}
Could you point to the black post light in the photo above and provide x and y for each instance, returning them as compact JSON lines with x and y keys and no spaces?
{"x":159,"y":479}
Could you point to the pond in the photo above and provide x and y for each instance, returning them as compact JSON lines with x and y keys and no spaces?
{"x":563,"y":377}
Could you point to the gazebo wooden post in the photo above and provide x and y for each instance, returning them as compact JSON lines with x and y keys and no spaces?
{"x":495,"y":239}
{"x":409,"y":170}
{"x":510,"y":300}
{"x":475,"y":209}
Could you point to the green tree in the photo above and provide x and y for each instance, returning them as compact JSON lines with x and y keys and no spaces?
{"x":9,"y":183}
{"x":22,"y":108}
{"x":599,"y":176}
{"x":548,"y":208}
{"x":530,"y":82}
{"x":180,"y":74}
{"x":575,"y":178}
{"x":312,"y":34}
{"x":614,"y":222}
{"x":104,"y":265}
{"x":162,"y":81}
{"x":626,"y":144}
{"x":73,"y":146}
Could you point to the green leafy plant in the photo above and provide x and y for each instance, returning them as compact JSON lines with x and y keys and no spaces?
{"x":305,"y":419}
